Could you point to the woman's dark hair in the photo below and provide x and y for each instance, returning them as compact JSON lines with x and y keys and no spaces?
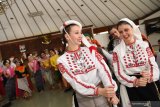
{"x":123,"y":23}
{"x":110,"y":46}
{"x":18,"y":61}
{"x":6,"y":61}
{"x":53,"y":50}
{"x":67,"y":29}
{"x":112,"y":27}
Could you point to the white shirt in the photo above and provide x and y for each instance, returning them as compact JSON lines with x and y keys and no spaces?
{"x":83,"y":72}
{"x":158,"y":59}
{"x":132,"y":59}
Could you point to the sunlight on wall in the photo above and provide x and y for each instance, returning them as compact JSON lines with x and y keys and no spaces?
{"x":102,"y":38}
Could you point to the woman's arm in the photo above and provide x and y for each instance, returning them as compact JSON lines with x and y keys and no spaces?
{"x":76,"y":83}
{"x":153,"y":67}
{"x":104,"y":72}
{"x":120,"y":74}
{"x":108,"y":56}
{"x":30,"y":67}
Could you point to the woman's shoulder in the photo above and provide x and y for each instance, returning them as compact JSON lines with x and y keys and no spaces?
{"x":142,"y":43}
{"x":117,"y":48}
{"x":61,"y":58}
{"x":88,"y":50}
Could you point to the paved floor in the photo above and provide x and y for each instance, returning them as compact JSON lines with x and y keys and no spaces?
{"x":50,"y":98}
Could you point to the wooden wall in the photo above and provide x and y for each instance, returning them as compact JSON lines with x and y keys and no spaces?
{"x":0,"y":55}
{"x":11,"y":48}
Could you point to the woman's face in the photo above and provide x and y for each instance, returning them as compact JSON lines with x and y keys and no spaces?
{"x":30,"y":58}
{"x":75,"y":35}
{"x":43,"y":55}
{"x":52,"y":53}
{"x":114,"y":32}
{"x":7,"y":64}
{"x":17,"y":63}
{"x":126,"y":32}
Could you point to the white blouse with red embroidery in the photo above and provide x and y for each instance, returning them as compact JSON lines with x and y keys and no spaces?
{"x":132,"y":59}
{"x":84,"y":72}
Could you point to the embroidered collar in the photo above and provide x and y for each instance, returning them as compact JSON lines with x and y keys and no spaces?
{"x":73,"y":51}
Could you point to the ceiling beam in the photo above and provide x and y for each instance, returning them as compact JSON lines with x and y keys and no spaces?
{"x":53,"y":34}
{"x":137,"y":20}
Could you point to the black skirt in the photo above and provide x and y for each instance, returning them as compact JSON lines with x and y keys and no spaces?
{"x":148,"y":93}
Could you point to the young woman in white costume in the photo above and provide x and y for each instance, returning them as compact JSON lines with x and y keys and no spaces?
{"x":86,"y":72}
{"x":134,"y":65}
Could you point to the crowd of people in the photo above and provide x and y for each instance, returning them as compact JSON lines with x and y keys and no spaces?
{"x":20,"y":77}
{"x":124,"y":72}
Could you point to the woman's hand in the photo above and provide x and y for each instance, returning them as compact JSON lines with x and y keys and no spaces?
{"x":114,"y":100}
{"x":107,"y":91}
{"x":146,"y":74}
{"x":141,"y":82}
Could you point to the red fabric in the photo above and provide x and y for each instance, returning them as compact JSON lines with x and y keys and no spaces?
{"x":19,"y":93}
{"x":92,"y":48}
{"x":2,"y":90}
{"x":30,"y":83}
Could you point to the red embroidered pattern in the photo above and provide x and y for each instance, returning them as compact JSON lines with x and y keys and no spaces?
{"x":149,"y":52}
{"x":134,"y":57}
{"x":62,"y":68}
{"x":80,"y":62}
{"x":77,"y":71}
{"x":151,"y":68}
{"x":115,"y":58}
{"x":99,"y":56}
{"x":82,"y":84}
{"x":109,"y":76}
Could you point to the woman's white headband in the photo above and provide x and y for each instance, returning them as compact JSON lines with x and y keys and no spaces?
{"x":84,"y":40}
{"x":68,"y":23}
